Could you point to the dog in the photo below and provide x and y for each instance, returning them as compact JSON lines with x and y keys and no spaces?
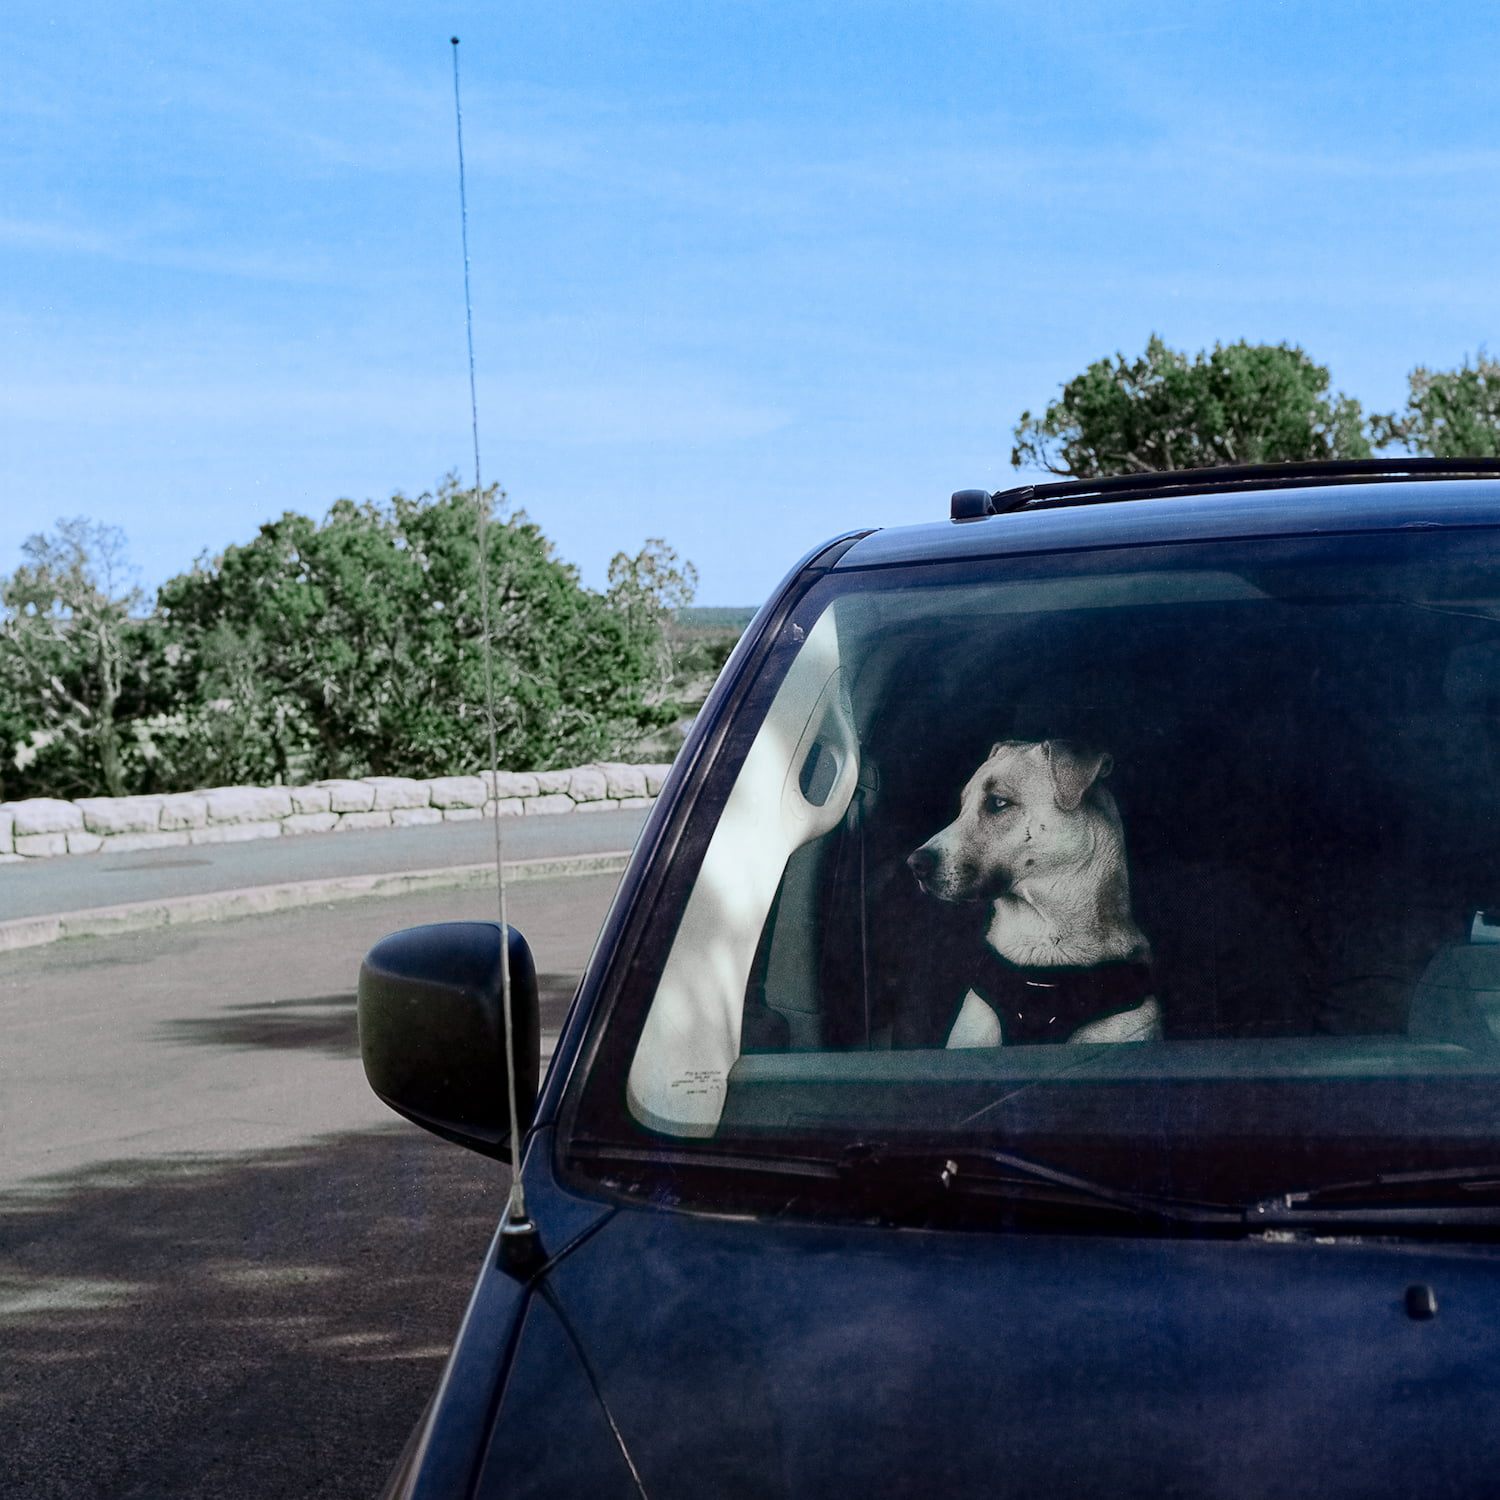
{"x":1041,"y":840}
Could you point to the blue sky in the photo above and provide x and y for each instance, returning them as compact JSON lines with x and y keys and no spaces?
{"x":745,"y":275}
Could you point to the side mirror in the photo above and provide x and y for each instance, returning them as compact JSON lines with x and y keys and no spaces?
{"x":432,"y":1030}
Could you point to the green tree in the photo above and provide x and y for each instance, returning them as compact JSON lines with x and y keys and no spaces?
{"x":354,"y":646}
{"x":1236,"y":404}
{"x":74,"y":656}
{"x":226,"y":721}
{"x":1449,"y":413}
{"x":643,"y":592}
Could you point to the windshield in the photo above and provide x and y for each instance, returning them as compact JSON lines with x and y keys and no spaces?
{"x":1177,"y":868}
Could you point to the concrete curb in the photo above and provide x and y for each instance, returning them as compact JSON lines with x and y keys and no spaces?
{"x":210,"y":906}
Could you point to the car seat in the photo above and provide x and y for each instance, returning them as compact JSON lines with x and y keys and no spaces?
{"x":1457,"y":998}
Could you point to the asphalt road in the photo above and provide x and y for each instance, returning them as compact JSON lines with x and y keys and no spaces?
{"x":225,"y":1268}
{"x":38,"y":887}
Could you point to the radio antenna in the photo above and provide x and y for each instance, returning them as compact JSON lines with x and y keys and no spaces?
{"x":517,"y":1232}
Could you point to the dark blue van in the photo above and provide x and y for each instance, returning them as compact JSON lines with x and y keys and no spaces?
{"x":1047,"y":1039}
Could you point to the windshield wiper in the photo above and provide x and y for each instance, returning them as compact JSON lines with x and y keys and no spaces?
{"x":898,"y":1179}
{"x":905,"y":1182}
{"x":1005,"y":1175}
{"x":1451,"y":1195}
{"x":713,"y":1158}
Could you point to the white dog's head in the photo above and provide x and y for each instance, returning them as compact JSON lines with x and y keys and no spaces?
{"x":1023,"y":816}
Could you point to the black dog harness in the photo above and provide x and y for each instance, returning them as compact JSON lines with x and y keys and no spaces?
{"x":1050,"y":1004}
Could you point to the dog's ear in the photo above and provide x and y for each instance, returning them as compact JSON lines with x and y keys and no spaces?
{"x":1074,"y":770}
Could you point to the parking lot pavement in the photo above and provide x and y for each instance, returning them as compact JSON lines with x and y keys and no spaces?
{"x":225,"y":1268}
{"x":264,"y":1326}
{"x":78,"y":882}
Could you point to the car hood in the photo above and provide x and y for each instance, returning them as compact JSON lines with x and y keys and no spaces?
{"x":674,"y":1355}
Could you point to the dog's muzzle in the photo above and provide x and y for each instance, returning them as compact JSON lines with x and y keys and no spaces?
{"x":941,"y":876}
{"x":923,"y":863}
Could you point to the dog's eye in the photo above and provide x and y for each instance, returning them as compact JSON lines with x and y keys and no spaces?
{"x":995,"y":803}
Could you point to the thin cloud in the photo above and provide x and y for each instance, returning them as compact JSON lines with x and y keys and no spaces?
{"x":142,"y":248}
{"x":656,"y":407}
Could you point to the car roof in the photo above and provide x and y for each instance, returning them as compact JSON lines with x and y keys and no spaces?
{"x":1208,"y":515}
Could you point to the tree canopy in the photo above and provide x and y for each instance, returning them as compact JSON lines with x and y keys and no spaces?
{"x":1449,"y":413}
{"x":355,"y":646}
{"x":346,"y":647}
{"x":72,"y":656}
{"x":1238,"y":403}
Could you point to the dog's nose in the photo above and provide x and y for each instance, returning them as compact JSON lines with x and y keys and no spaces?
{"x":923,"y":863}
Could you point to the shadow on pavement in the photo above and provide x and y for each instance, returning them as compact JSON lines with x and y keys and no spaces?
{"x":264,"y":1326}
{"x":325,"y":1023}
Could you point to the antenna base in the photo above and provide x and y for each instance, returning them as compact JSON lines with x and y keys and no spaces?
{"x":521,"y":1253}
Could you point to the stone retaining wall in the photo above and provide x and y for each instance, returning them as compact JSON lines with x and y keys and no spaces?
{"x":42,"y":827}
